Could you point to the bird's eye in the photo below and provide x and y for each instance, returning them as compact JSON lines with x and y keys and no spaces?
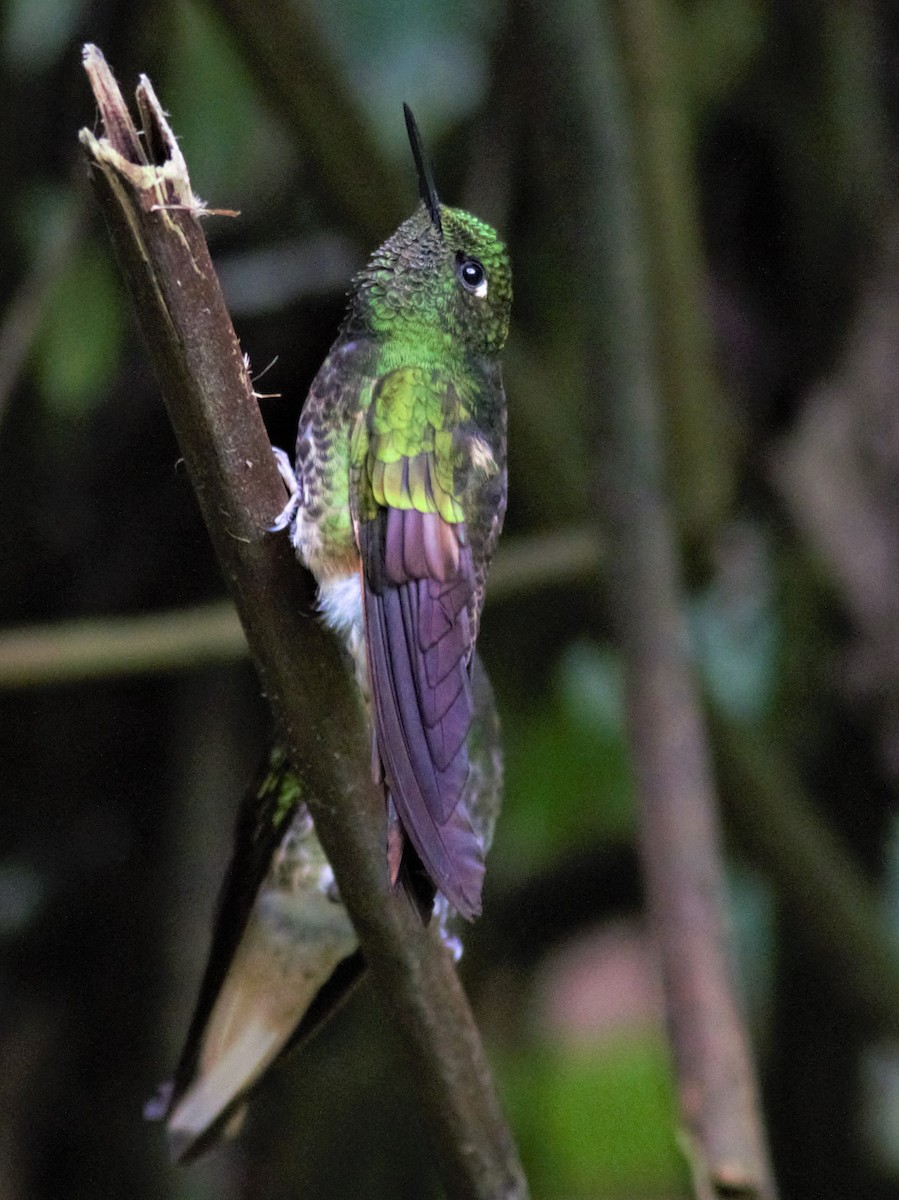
{"x":473,"y":276}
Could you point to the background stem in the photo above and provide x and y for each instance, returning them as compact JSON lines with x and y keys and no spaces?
{"x":679,"y":836}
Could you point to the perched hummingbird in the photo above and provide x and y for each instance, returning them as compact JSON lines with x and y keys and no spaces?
{"x":400,"y":492}
{"x":284,"y":954}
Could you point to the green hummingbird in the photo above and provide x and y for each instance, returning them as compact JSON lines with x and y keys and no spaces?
{"x":399,"y":496}
{"x":399,"y":492}
{"x":284,"y":954}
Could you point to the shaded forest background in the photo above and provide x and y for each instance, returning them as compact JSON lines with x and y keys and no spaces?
{"x":766,"y":139}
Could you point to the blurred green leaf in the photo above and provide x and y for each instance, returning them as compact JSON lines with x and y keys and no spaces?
{"x":432,"y":54}
{"x":752,"y":913}
{"x":44,"y":217}
{"x":236,"y":150}
{"x":722,"y":40}
{"x":595,"y":1120}
{"x":80,"y":341}
{"x":736,"y":626}
{"x":35,"y":31}
{"x":568,"y":776}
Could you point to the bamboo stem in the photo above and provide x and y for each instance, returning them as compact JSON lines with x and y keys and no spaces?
{"x":680,"y":840}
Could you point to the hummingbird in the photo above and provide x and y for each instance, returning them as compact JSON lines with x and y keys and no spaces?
{"x":399,"y":493}
{"x":398,"y":497}
{"x":284,"y":955}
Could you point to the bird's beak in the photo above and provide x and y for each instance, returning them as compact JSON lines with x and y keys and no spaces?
{"x":425,"y":178}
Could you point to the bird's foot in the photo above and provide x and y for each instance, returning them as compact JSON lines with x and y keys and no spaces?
{"x":289,"y":511}
{"x":444,"y":912}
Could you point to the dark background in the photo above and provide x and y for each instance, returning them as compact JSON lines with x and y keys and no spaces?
{"x":766,"y":138}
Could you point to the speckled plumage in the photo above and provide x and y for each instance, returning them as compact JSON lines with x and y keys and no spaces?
{"x":401,"y":469}
{"x":284,"y":953}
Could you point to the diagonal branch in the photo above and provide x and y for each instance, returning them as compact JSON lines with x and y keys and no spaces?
{"x":152,"y":213}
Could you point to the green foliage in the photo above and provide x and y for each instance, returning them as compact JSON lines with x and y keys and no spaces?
{"x":752,"y":912}
{"x":236,"y":151}
{"x":80,"y":343}
{"x":432,"y":54}
{"x":721,"y":41}
{"x":35,"y":31}
{"x":736,"y":627}
{"x":568,"y":778}
{"x":595,"y":1120}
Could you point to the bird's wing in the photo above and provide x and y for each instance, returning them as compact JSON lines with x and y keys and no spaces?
{"x":411,"y":461}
